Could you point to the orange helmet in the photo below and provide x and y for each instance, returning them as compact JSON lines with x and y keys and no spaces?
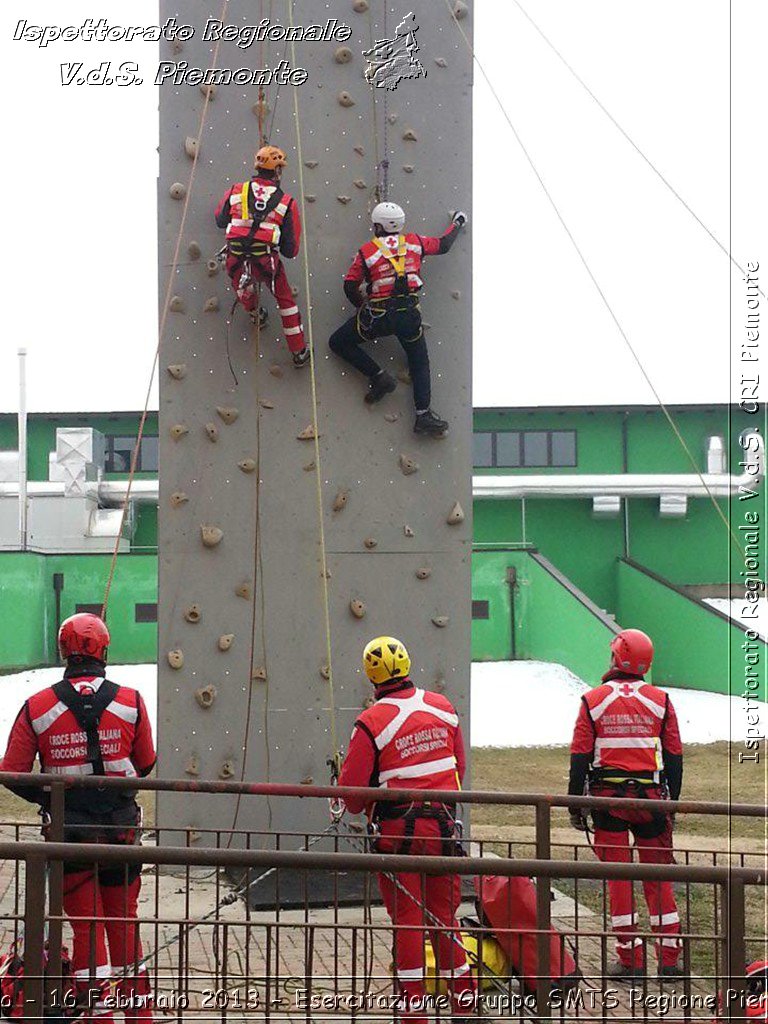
{"x":269,"y":158}
{"x":84,"y":634}
{"x":632,"y":651}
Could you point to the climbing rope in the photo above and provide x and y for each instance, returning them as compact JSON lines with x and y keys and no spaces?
{"x":336,"y":755}
{"x":630,"y":347}
{"x":161,"y":329}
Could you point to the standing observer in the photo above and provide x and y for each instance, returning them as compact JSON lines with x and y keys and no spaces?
{"x":626,"y":743}
{"x":88,"y":725}
{"x":411,"y":739}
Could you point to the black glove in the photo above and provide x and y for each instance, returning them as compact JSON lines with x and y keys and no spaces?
{"x":578,"y":821}
{"x":459,"y":218}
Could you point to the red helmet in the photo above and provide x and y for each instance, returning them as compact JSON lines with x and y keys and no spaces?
{"x":757,"y":996}
{"x":632,"y":651}
{"x":84,"y":634}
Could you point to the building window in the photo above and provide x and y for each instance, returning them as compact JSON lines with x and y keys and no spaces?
{"x":537,"y":449}
{"x":480,"y":610}
{"x":119,"y":451}
{"x":146,"y":612}
{"x":88,"y":609}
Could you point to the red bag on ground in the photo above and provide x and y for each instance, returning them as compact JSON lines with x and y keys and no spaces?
{"x":507,"y":905}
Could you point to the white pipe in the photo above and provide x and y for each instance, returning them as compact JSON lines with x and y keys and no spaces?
{"x":109,"y":493}
{"x":23,"y":505}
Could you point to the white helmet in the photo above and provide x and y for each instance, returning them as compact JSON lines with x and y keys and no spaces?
{"x":388,"y":216}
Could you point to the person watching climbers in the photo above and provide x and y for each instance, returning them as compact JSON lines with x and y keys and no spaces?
{"x":387,"y":750}
{"x":384,"y":282}
{"x":263,"y":223}
{"x":87,"y":725}
{"x":626,"y":743}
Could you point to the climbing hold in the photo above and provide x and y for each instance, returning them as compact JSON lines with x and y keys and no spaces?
{"x":294,"y":290}
{"x":408,"y":168}
{"x":370,"y":543}
{"x":260,"y":109}
{"x":177,"y":370}
{"x":311,"y":164}
{"x":326,"y":574}
{"x":460,"y":10}
{"x":343,"y":55}
{"x":227,"y":413}
{"x":211,"y":305}
{"x":424,"y":573}
{"x":357,"y":608}
{"x":359,"y":183}
{"x":325,"y":671}
{"x":276,"y":371}
{"x":225,"y":641}
{"x":191,"y":147}
{"x":205,"y":696}
{"x":359,"y":150}
{"x":439,"y":685}
{"x":440,"y":621}
{"x":211,"y":535}
{"x":177,"y":46}
{"x":209,"y":91}
{"x":227,"y":770}
{"x":408,"y":465}
{"x":369,"y":702}
{"x":244,"y":590}
{"x":192,"y":767}
{"x":259,"y":674}
{"x":360,"y":6}
{"x":340,"y":501}
{"x":441,"y":62}
{"x":177,"y":190}
{"x":309,"y":466}
{"x":456,"y":515}
{"x":409,"y":135}
{"x":408,"y":531}
{"x":307,"y":434}
{"x":307,"y":781}
{"x":194,"y":251}
{"x":212,"y":266}
{"x":176,"y":658}
{"x":178,"y":498}
{"x":193,"y":836}
{"x":391,"y":417}
{"x":456,"y":294}
{"x":392,"y":118}
{"x":266,"y":404}
{"x":345,"y":100}
{"x":404,"y":377}
{"x":176,"y":304}
{"x":344,"y":200}
{"x":178,"y":430}
{"x":212,"y":431}
{"x":247,"y":465}
{"x":310,"y":198}
{"x":193,"y":614}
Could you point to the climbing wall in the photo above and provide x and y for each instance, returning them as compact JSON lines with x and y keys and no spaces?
{"x":243,"y":665}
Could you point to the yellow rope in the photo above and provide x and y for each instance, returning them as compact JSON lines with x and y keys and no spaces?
{"x":313,"y":381}
{"x":601,"y":293}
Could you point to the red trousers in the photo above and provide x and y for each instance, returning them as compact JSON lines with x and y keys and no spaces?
{"x":247,"y":274}
{"x":613,"y":846}
{"x":405,"y":897}
{"x":108,"y":948}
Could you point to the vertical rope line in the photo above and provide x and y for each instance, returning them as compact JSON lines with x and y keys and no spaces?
{"x":161,"y":330}
{"x":313,"y":381}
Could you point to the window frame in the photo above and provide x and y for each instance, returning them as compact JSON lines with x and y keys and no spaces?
{"x":549,"y":434}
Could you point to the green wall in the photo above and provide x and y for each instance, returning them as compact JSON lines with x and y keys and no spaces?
{"x":695,"y":647}
{"x":28,"y":584}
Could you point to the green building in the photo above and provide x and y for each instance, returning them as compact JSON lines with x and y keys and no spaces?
{"x":585,"y":520}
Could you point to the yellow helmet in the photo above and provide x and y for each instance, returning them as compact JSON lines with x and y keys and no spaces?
{"x":270,"y":158}
{"x":385,"y":659}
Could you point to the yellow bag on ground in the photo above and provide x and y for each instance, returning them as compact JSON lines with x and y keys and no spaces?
{"x":494,"y":962}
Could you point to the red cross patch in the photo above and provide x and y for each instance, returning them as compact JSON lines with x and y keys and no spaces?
{"x":626,"y":690}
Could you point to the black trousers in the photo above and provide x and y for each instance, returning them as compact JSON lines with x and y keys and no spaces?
{"x":405,"y":325}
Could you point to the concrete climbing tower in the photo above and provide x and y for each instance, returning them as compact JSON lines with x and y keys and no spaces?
{"x":244,"y":670}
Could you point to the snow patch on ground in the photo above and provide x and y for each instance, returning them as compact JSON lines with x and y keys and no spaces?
{"x":749,"y":614}
{"x":514,"y":704}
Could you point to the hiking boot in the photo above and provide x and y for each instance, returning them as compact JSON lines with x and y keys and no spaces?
{"x":380,"y":385}
{"x":428,"y":423}
{"x":671,"y":971}
{"x":259,"y":316}
{"x":624,"y":972}
{"x":301,"y":358}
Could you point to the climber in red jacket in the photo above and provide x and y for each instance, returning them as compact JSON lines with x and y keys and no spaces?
{"x":263,"y":224}
{"x":411,"y":739}
{"x":384,"y":282}
{"x":626,"y":743}
{"x":88,"y":725}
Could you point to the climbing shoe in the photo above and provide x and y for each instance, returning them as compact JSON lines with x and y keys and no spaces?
{"x":624,"y":972}
{"x":380,"y":385}
{"x":428,"y":423}
{"x":259,"y":316}
{"x":301,"y":358}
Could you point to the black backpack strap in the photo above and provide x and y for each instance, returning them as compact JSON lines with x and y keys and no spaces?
{"x":88,"y":711}
{"x":271,"y":204}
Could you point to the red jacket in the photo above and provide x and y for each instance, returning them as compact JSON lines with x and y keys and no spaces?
{"x":409,"y":739}
{"x":378,"y":262}
{"x":279,"y":228}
